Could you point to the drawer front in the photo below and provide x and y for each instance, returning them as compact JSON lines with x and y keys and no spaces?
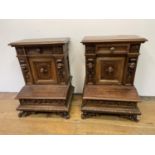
{"x":43,"y":70}
{"x":112,"y":48}
{"x":109,"y":70}
{"x":44,"y":50}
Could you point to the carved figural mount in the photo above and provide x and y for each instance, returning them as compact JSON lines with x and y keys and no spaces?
{"x":45,"y":67}
{"x":110,"y":70}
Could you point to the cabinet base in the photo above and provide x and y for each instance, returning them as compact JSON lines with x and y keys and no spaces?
{"x":56,"y":105}
{"x":111,"y":100}
{"x":132,"y":117}
{"x":65,"y":114}
{"x":123,"y":109}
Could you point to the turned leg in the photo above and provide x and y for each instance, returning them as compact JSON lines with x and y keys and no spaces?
{"x":135,"y":118}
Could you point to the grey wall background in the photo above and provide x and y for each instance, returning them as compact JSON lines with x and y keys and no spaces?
{"x":11,"y":79}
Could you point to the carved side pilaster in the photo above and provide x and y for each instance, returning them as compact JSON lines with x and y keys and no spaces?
{"x":25,"y":70}
{"x":60,"y":70}
{"x":90,"y":70}
{"x":132,"y":62}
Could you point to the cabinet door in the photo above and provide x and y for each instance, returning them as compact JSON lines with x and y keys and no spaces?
{"x":109,"y":70}
{"x":43,"y":70}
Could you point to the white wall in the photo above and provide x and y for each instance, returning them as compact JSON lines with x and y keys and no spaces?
{"x":11,"y":30}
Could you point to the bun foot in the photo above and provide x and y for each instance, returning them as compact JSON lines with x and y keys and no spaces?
{"x":23,"y":114}
{"x":65,"y":115}
{"x":20,"y":114}
{"x":135,"y":118}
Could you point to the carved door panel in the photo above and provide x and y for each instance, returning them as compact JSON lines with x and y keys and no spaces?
{"x":43,"y":70}
{"x":109,"y":70}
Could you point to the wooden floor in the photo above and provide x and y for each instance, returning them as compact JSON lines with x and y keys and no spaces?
{"x":52,"y":124}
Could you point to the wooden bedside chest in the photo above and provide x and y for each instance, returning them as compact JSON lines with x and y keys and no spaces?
{"x":110,"y":70}
{"x":45,"y":67}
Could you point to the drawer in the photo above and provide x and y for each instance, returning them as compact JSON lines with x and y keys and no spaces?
{"x":44,"y":50}
{"x":112,"y":48}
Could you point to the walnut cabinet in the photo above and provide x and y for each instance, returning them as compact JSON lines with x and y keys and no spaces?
{"x":45,"y":67}
{"x":111,"y":63}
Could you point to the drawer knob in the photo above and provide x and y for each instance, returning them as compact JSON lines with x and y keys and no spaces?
{"x":112,"y":49}
{"x":110,"y":69}
{"x":43,"y":70}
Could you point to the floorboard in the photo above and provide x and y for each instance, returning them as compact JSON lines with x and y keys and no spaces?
{"x":53,"y":124}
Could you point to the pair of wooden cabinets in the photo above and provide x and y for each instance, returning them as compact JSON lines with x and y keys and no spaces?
{"x":110,"y":69}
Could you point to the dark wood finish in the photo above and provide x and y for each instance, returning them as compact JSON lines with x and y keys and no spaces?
{"x":110,"y":70}
{"x":113,"y":39}
{"x":112,"y":48}
{"x":45,"y":68}
{"x":40,"y":41}
{"x":43,"y":92}
{"x":111,"y":93}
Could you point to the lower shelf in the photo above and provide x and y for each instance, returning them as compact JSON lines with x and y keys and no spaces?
{"x":112,"y":110}
{"x":53,"y":105}
{"x":42,"y":108}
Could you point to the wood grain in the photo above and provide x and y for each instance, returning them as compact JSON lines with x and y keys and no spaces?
{"x":111,"y":93}
{"x":43,"y":92}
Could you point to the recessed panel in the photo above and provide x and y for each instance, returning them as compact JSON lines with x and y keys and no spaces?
{"x":43,"y":70}
{"x":109,"y":70}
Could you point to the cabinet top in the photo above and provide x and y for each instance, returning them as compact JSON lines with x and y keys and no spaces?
{"x":116,"y":38}
{"x":41,"y":41}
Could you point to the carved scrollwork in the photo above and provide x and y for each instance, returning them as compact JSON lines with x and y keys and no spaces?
{"x":131,"y":70}
{"x":60,"y":69}
{"x":41,"y":102}
{"x":109,"y":103}
{"x":90,"y":64}
{"x":25,"y":70}
{"x":132,"y":117}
